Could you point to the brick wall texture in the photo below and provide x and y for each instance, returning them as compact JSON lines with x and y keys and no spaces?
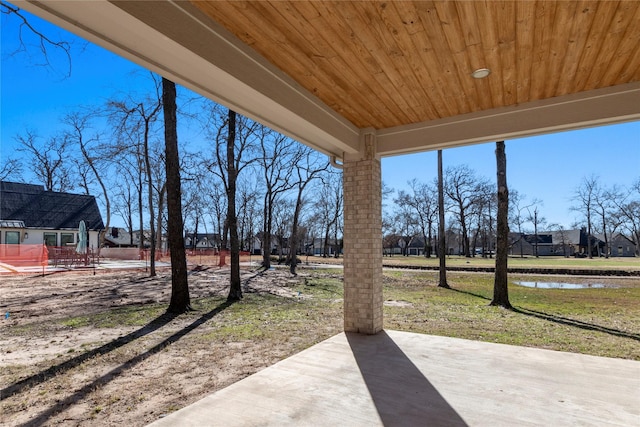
{"x":362,"y":246}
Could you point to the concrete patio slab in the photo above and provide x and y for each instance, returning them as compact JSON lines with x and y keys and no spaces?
{"x":406,"y":379}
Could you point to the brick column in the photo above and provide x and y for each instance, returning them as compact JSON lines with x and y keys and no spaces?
{"x":362,"y":183}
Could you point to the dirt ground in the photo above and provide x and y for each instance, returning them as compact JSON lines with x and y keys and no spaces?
{"x":53,"y":373}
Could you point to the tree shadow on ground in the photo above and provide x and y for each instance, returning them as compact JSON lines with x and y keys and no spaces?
{"x":470,"y":293}
{"x":562,"y":320}
{"x":61,"y":368}
{"x":116,"y":372}
{"x":247,"y":284}
{"x":576,"y":323}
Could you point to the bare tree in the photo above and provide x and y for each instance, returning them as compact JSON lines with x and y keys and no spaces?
{"x":249,"y":214}
{"x":405,"y":223}
{"x":30,"y":37}
{"x":517,"y":207}
{"x":483,"y":213}
{"x":426,"y":198}
{"x":218,"y":210}
{"x":135,"y":118}
{"x":124,"y":202}
{"x":563,"y":237}
{"x":419,"y":210}
{"x":282,"y":218}
{"x":11,"y":169}
{"x":463,"y":188}
{"x":584,"y":196}
{"x":235,"y":289}
{"x":234,"y":137}
{"x":328,"y":207}
{"x":79,"y":126}
{"x":603,"y":205}
{"x":47,"y":160}
{"x":309,"y":168}
{"x":180,"y":301}
{"x":536,"y":220}
{"x":278,"y":157}
{"x":627,"y":204}
{"x":500,"y":285}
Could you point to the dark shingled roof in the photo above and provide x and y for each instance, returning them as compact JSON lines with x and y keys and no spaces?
{"x":47,"y":209}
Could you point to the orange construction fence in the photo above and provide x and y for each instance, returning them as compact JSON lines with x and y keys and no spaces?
{"x":24,"y":255}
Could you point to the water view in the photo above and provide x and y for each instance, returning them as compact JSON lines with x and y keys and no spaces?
{"x":558,"y":285}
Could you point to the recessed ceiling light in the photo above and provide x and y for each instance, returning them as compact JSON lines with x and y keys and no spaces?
{"x":481,"y":73}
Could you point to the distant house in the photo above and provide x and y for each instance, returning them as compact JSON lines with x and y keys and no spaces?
{"x":321,"y":247}
{"x":393,"y":244}
{"x":619,"y":245}
{"x":202,"y":241}
{"x":569,"y":243}
{"x":530,"y":244}
{"x":31,"y":215}
{"x":117,"y":237}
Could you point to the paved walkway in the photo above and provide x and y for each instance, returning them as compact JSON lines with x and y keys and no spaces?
{"x":406,"y":379}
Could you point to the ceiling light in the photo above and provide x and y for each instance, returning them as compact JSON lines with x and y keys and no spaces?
{"x":481,"y":73}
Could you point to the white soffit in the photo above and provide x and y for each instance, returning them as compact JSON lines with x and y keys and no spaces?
{"x":605,"y":106}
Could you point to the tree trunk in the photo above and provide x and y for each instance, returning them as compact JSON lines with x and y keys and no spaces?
{"x":140,"y":204}
{"x":152,"y":228}
{"x":107,"y":202}
{"x":589,"y":248}
{"x":442,"y":244}
{"x":266,"y":233}
{"x":235,"y":288}
{"x":500,"y":288}
{"x":161,"y":201}
{"x":293,"y":240}
{"x":180,"y":301}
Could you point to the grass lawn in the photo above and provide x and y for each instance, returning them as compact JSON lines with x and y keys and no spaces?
{"x":631,"y":264}
{"x":597,"y":321}
{"x":602,"y":322}
{"x":615,"y":263}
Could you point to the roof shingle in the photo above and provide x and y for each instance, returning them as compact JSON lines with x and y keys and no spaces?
{"x":47,"y":209}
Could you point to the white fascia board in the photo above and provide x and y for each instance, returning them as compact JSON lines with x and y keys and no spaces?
{"x":204,"y":57}
{"x":598,"y":107}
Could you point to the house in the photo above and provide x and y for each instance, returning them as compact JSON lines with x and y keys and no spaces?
{"x":31,"y":215}
{"x":117,"y":237}
{"x":619,"y":245}
{"x":569,"y":243}
{"x":321,"y":247}
{"x":541,"y":244}
{"x":203,"y":241}
{"x":577,"y":243}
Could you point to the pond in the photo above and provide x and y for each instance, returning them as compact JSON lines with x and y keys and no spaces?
{"x":558,"y":285}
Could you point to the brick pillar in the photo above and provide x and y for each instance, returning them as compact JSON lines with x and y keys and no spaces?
{"x":362,"y":183}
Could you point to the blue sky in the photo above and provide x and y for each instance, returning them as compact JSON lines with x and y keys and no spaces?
{"x":548,"y":168}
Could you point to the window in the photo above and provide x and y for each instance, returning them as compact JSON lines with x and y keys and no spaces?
{"x":66,"y":239}
{"x":51,"y":239}
{"x":12,"y":238}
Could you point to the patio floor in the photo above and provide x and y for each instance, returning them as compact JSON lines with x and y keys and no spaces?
{"x":406,"y":379}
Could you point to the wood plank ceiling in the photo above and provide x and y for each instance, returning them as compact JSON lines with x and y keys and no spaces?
{"x":392,"y":63}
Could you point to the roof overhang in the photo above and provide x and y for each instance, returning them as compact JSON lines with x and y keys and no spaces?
{"x":179,"y":41}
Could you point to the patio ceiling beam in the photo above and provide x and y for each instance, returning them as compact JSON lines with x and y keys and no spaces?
{"x":611,"y":105}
